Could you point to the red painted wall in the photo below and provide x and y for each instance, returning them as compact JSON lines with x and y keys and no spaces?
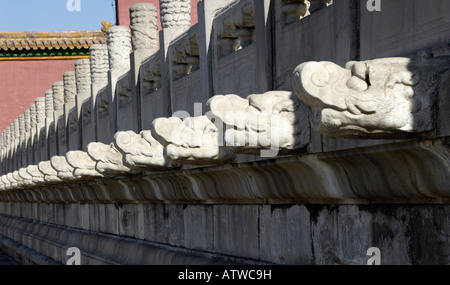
{"x":22,"y":81}
{"x":123,"y":16}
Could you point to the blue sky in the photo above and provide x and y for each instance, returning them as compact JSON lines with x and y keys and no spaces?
{"x":55,"y":15}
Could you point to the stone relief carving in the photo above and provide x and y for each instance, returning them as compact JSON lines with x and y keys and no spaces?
{"x":16,"y":129}
{"x":49,"y":104}
{"x":27,"y":120}
{"x":73,"y":121}
{"x":64,"y":170}
{"x":52,"y":132}
{"x":82,"y":163}
{"x":151,"y":74}
{"x":50,"y":174}
{"x":86,"y":114}
{"x":119,"y":47}
{"x":7,"y":132}
{"x":175,"y":13}
{"x":40,"y":110}
{"x":83,"y":76}
{"x":185,"y":54}
{"x":294,"y":10}
{"x":109,"y":159}
{"x":99,"y":63}
{"x":141,"y":151}
{"x":237,"y":28}
{"x":58,"y":95}
{"x":33,"y":116}
{"x":103,"y":103}
{"x":124,"y":87}
{"x":194,"y":140}
{"x":70,"y":87}
{"x":12,"y":133}
{"x":144,"y":28}
{"x":61,"y":129}
{"x":275,"y":120}
{"x":21,"y":121}
{"x":380,"y":98}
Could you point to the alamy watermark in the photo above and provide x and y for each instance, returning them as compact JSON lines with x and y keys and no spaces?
{"x":375,"y":256}
{"x":73,"y":5}
{"x":238,"y":128}
{"x":373,"y":5}
{"x":75,"y":256}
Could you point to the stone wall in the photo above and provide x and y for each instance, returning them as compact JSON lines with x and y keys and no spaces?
{"x":271,"y":132}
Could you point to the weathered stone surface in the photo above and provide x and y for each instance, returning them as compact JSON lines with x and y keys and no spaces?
{"x":199,"y":227}
{"x":242,"y":60}
{"x":153,"y":103}
{"x":285,"y":234}
{"x":403,"y":27}
{"x":381,"y":98}
{"x":236,"y":230}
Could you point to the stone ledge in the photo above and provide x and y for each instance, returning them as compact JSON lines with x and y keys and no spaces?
{"x":406,"y":172}
{"x":27,"y":237}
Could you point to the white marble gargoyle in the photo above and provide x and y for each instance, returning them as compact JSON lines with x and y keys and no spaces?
{"x":194,"y":140}
{"x":109,"y":159}
{"x":83,"y":165}
{"x":268,"y":124}
{"x":386,"y":98}
{"x":141,"y":151}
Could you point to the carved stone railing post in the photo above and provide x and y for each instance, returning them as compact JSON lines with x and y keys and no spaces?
{"x":101,"y":98}
{"x":49,"y":135}
{"x":2,"y":146}
{"x":33,"y":135}
{"x":58,"y":105}
{"x":119,"y":48}
{"x":7,"y":154}
{"x":14,"y":157}
{"x":3,"y":154}
{"x":84,"y":102}
{"x":70,"y":112}
{"x":99,"y":68}
{"x":27,"y":146}
{"x":40,"y":128}
{"x":22,"y":142}
{"x":145,"y":42}
{"x":144,"y":32}
{"x":175,"y":20}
